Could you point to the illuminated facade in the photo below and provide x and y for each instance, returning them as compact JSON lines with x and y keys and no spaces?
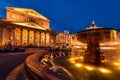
{"x":25,"y":27}
{"x":64,"y":38}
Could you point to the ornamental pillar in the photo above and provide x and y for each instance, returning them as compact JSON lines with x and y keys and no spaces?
{"x":4,"y":36}
{"x":21,"y":36}
{"x":13,"y":36}
{"x":28,"y":38}
{"x":39,"y":41}
{"x":34,"y":41}
{"x":45,"y":40}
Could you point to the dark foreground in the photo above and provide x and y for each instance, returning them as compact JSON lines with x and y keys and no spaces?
{"x":9,"y":61}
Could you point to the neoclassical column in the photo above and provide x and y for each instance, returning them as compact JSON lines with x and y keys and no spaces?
{"x":4,"y":36}
{"x":50,"y":40}
{"x":39,"y":41}
{"x":34,"y":41}
{"x":48,"y":37}
{"x":13,"y":36}
{"x":45,"y":40}
{"x":28,"y":38}
{"x":21,"y":36}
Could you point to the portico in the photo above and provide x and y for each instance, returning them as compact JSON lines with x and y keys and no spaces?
{"x":25,"y":37}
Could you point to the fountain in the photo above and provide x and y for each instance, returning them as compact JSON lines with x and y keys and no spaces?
{"x":87,"y":56}
{"x":93,"y":36}
{"x":87,"y":59}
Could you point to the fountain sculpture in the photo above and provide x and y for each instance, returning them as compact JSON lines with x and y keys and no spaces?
{"x":93,"y":36}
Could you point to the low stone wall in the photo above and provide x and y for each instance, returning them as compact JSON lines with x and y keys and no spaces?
{"x":33,"y":64}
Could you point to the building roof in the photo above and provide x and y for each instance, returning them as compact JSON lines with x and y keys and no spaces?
{"x":28,"y":11}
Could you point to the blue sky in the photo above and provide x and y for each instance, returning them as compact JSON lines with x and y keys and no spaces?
{"x":73,"y":15}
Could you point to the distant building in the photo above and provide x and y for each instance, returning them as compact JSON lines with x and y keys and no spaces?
{"x":64,"y":38}
{"x":66,"y":32}
{"x":25,"y":27}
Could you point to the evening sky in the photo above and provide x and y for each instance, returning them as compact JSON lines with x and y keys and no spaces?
{"x":72,"y":15}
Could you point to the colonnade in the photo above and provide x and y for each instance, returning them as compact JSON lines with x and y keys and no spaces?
{"x":24,"y":37}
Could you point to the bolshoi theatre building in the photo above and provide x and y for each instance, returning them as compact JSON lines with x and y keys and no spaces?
{"x":25,"y":27}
